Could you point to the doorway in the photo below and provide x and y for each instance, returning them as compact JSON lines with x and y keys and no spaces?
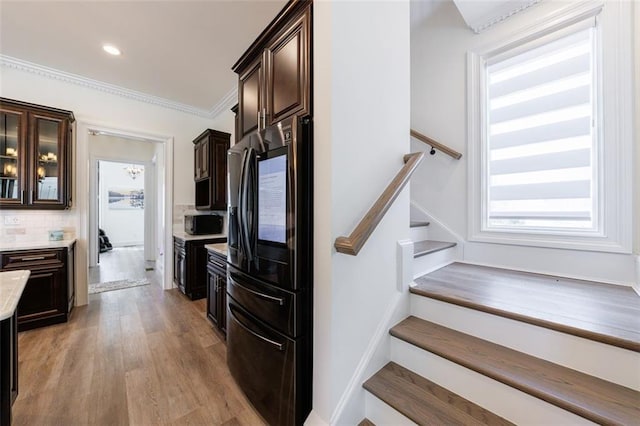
{"x":122,"y":208}
{"x":97,"y":144}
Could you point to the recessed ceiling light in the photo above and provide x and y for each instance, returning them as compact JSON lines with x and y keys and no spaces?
{"x":111,"y":49}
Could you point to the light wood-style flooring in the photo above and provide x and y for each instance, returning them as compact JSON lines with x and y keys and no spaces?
{"x":137,"y":356}
{"x":119,"y":264}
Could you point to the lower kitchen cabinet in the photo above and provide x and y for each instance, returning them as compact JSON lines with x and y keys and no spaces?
{"x":8,"y":367}
{"x":49,"y":295}
{"x":190,"y":264}
{"x":217,"y":290}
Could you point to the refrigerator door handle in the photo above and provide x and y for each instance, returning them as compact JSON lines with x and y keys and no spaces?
{"x":278,"y":345}
{"x":244,"y":195}
{"x":274,"y":299}
{"x":241,"y":206}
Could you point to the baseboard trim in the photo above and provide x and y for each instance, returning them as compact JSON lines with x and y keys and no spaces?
{"x":394,"y":309}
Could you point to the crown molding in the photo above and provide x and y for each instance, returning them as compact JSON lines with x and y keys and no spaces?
{"x":478,"y":23}
{"x":226,"y":103}
{"x":18,"y":64}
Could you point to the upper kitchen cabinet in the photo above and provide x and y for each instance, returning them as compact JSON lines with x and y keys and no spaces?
{"x":210,"y":169}
{"x":274,"y":74}
{"x":35,"y":156}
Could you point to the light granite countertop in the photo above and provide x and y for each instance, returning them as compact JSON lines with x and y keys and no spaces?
{"x":220,"y":248}
{"x":12,"y":284}
{"x":37,"y":245}
{"x":184,"y":236}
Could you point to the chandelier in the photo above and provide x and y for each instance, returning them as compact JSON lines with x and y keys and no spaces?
{"x":133,"y":171}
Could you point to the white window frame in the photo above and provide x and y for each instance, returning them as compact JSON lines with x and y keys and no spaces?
{"x":613,"y":216}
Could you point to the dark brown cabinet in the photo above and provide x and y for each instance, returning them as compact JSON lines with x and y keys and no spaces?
{"x":217,"y":290}
{"x":35,"y":156}
{"x":190,"y":265}
{"x":210,"y":169}
{"x":8,"y":367}
{"x":274,"y":74}
{"x":236,"y":120}
{"x":49,"y":295}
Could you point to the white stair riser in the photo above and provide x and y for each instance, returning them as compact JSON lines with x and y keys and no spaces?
{"x":382,"y":414}
{"x":505,"y":401}
{"x":593,"y":358}
{"x":419,"y":233}
{"x":432,"y":261}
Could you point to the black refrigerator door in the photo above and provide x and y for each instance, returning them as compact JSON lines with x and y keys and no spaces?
{"x":269,"y":194}
{"x":267,"y":367}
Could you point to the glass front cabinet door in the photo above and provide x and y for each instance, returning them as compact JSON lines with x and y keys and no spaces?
{"x":35,"y":155}
{"x":12,"y":153}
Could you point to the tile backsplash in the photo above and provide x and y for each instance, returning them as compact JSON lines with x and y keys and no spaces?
{"x":19,"y":226}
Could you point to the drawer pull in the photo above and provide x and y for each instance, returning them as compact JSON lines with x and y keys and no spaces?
{"x":278,"y":345}
{"x":278,"y":300}
{"x":33,"y":258}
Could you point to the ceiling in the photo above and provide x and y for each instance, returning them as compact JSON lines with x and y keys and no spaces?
{"x":179,"y":50}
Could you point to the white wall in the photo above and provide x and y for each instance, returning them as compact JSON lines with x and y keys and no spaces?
{"x":123,"y":227}
{"x":438,"y":109}
{"x":361,"y":115}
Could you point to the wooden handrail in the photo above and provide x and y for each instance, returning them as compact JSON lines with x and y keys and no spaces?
{"x":354,"y":242}
{"x":435,"y":144}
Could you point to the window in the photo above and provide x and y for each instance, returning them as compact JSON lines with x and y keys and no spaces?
{"x":542,"y":135}
{"x":540,"y":172}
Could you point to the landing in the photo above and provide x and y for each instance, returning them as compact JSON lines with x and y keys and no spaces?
{"x":602,"y":312}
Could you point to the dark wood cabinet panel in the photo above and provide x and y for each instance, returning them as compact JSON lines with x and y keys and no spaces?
{"x":35,"y":156}
{"x":49,"y":295}
{"x":217,"y":290}
{"x":236,"y":119}
{"x":210,"y":169}
{"x":190,"y":266}
{"x":250,"y":95}
{"x":274,"y":80}
{"x":288,"y":76}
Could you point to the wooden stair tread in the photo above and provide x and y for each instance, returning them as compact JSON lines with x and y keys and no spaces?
{"x":602,"y":312}
{"x":418,"y":223}
{"x":425,"y":402}
{"x":587,"y":396}
{"x":421,"y":248}
{"x":366,"y":422}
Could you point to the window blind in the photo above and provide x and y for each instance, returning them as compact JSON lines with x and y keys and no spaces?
{"x":540,"y":135}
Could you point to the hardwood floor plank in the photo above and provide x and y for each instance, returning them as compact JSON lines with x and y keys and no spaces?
{"x":136,"y":356}
{"x":587,"y":396}
{"x":145,"y":397}
{"x":602,"y":312}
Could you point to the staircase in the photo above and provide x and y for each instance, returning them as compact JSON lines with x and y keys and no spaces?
{"x":492,"y":346}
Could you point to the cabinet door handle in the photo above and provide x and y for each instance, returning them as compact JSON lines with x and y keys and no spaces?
{"x":31,"y":197}
{"x":22,"y":196}
{"x":258,"y":119}
{"x":33,"y":258}
{"x":264,"y":118}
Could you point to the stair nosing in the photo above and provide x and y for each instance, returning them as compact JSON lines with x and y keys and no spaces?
{"x":518,"y":381}
{"x":418,"y":224}
{"x":429,"y":398}
{"x":617,"y":341}
{"x":445,"y":245}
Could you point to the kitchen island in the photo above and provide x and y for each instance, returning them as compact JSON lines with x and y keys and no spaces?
{"x":12,"y":285}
